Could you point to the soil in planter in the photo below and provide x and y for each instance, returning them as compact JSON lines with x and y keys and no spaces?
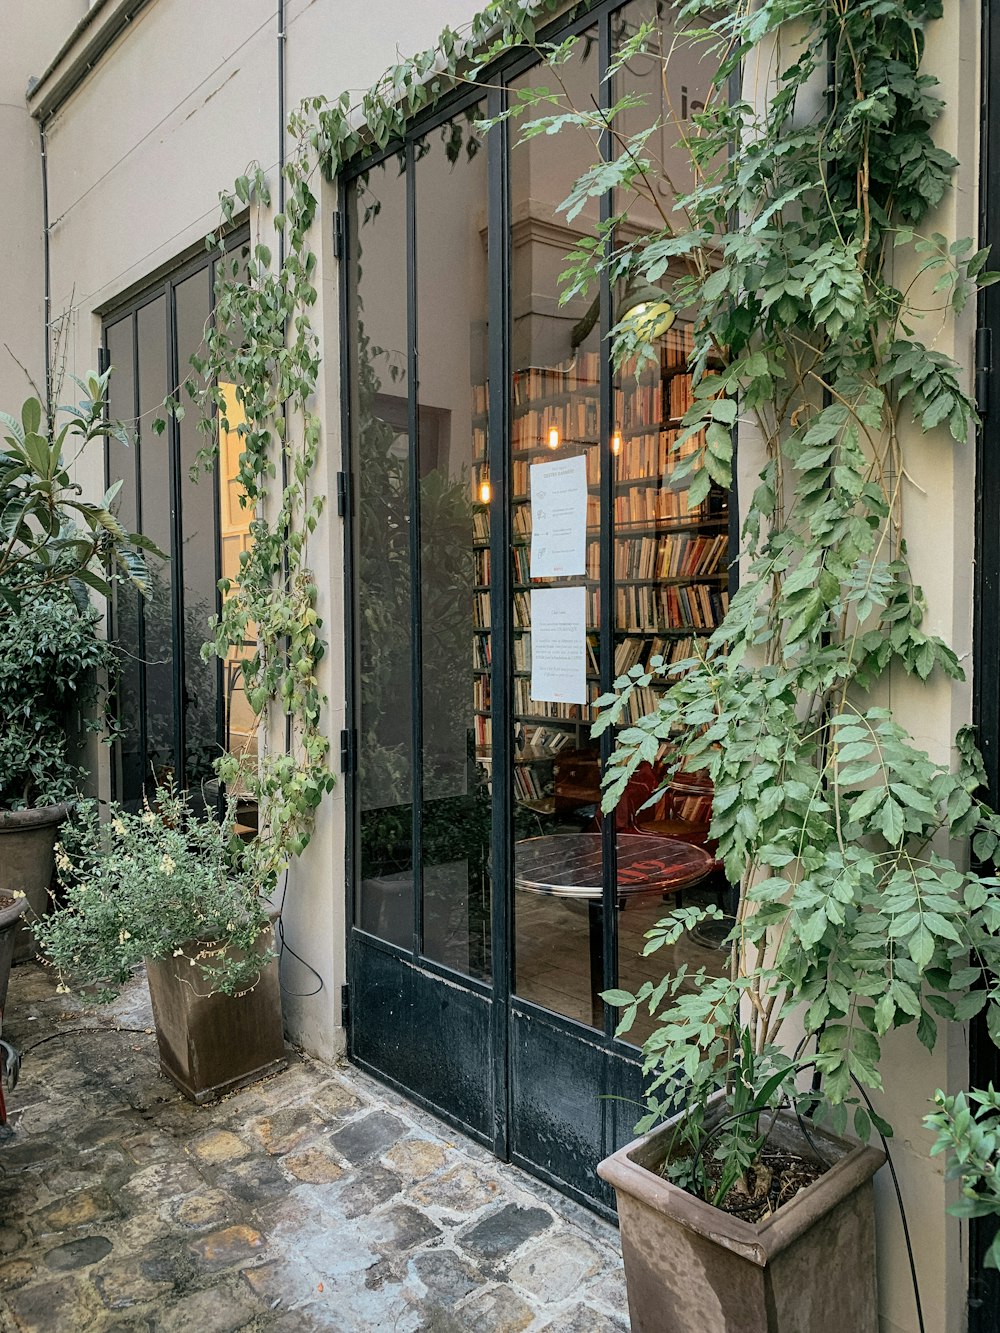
{"x":773,"y":1180}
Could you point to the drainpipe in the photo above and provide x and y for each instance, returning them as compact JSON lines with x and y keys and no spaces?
{"x":47,"y":303}
{"x":282,"y":37}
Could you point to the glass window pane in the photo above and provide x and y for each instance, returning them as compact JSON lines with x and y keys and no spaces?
{"x":198,"y":553}
{"x":156,"y":517}
{"x":555,"y":359}
{"x":671,"y":558}
{"x":127,"y":763}
{"x":381,"y":456}
{"x":456,"y":815}
{"x":239,"y":719}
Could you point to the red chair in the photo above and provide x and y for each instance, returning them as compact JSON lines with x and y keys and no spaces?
{"x":683,"y":812}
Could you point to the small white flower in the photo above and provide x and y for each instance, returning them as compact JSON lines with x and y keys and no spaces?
{"x":18,"y":893}
{"x":119,"y":827}
{"x":148,"y":817}
{"x":124,"y":935}
{"x":178,"y":953}
{"x":62,"y":860}
{"x":167,"y":864}
{"x":61,"y":989}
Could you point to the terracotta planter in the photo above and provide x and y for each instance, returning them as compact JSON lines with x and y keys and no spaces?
{"x":808,"y":1268}
{"x":11,"y":910}
{"x":27,"y":840}
{"x":211,"y":1044}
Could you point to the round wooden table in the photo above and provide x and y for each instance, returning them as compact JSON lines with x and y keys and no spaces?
{"x":571,"y":865}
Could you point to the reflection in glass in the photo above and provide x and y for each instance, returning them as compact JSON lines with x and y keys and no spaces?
{"x":454,"y":544}
{"x":555,"y":410}
{"x":127,"y":762}
{"x":239,"y":719}
{"x":382,"y":565}
{"x":670,"y":557}
{"x":156,"y":519}
{"x":198,"y":560}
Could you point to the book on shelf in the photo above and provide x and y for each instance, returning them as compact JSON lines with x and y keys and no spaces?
{"x":680,"y":556}
{"x":636,"y":649}
{"x":652,"y":607}
{"x":534,"y":382}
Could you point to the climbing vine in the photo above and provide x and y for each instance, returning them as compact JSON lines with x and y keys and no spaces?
{"x":261,"y":340}
{"x":829,"y":814}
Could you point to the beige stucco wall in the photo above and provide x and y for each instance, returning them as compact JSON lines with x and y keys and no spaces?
{"x":171,"y":114}
{"x":138,"y":154}
{"x":32,"y":34}
{"x":939,"y":518}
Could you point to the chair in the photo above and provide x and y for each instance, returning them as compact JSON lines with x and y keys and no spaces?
{"x":683,"y":812}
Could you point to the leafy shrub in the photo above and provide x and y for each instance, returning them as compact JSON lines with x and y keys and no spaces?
{"x":158,"y":883}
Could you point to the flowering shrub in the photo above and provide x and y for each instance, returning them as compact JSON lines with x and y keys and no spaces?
{"x":162,"y":882}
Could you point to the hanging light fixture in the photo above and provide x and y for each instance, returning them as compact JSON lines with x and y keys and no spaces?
{"x":485,"y":491}
{"x":616,"y":443}
{"x":640,"y":302}
{"x":553,"y":437}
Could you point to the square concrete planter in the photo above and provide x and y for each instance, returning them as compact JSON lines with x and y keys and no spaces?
{"x":211,"y":1044}
{"x":808,"y":1268}
{"x":27,"y":842}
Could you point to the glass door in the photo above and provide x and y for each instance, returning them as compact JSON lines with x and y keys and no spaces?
{"x":519,"y":538}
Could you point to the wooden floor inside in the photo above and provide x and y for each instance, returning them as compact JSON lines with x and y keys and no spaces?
{"x":552,"y":958}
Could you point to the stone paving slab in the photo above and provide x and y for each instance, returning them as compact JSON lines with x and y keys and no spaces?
{"x":317,"y":1200}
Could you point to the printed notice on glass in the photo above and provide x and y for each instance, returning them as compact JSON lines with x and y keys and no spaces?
{"x":559,"y":518}
{"x":559,"y":645}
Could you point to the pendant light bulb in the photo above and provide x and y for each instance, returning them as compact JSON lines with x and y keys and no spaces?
{"x":485,"y":491}
{"x":616,"y":443}
{"x":553,"y":437}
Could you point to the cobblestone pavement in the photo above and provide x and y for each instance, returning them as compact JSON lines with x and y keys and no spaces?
{"x":314,"y":1201}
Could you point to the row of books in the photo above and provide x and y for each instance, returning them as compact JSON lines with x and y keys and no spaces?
{"x":632,"y":650}
{"x":635,"y":649}
{"x":521,"y":477}
{"x":649,"y":607}
{"x":654,"y":454}
{"x":481,"y":693}
{"x":536,"y":744}
{"x":677,"y":556}
{"x":531,"y":784}
{"x":655,"y":504}
{"x":535,"y":382}
{"x":577,"y":420}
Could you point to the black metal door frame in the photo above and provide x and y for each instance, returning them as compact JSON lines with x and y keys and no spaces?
{"x":559,"y":1095}
{"x":984,"y":1058}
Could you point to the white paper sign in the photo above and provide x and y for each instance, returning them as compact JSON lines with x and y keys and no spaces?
{"x":559,"y":518}
{"x":559,"y":645}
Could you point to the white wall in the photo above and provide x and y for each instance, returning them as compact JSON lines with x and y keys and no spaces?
{"x":31,"y":36}
{"x":176,"y":109}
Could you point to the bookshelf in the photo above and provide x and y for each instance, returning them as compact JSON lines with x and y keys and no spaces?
{"x":670,"y":557}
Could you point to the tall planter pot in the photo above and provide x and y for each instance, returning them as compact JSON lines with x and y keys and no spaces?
{"x":11,"y":910}
{"x":27,"y":843}
{"x":808,"y":1268}
{"x":211,"y":1044}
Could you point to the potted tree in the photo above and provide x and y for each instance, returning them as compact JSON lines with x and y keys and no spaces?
{"x":57,"y":549}
{"x":182,"y":893}
{"x":798,"y":256}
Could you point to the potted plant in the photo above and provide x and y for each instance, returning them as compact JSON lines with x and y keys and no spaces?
{"x":57,"y":548}
{"x":180,"y":892}
{"x":744,"y":1201}
{"x":50,"y":657}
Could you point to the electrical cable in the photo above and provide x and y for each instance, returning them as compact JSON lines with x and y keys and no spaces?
{"x":153,"y":128}
{"x":285,"y":947}
{"x":902,"y":1210}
